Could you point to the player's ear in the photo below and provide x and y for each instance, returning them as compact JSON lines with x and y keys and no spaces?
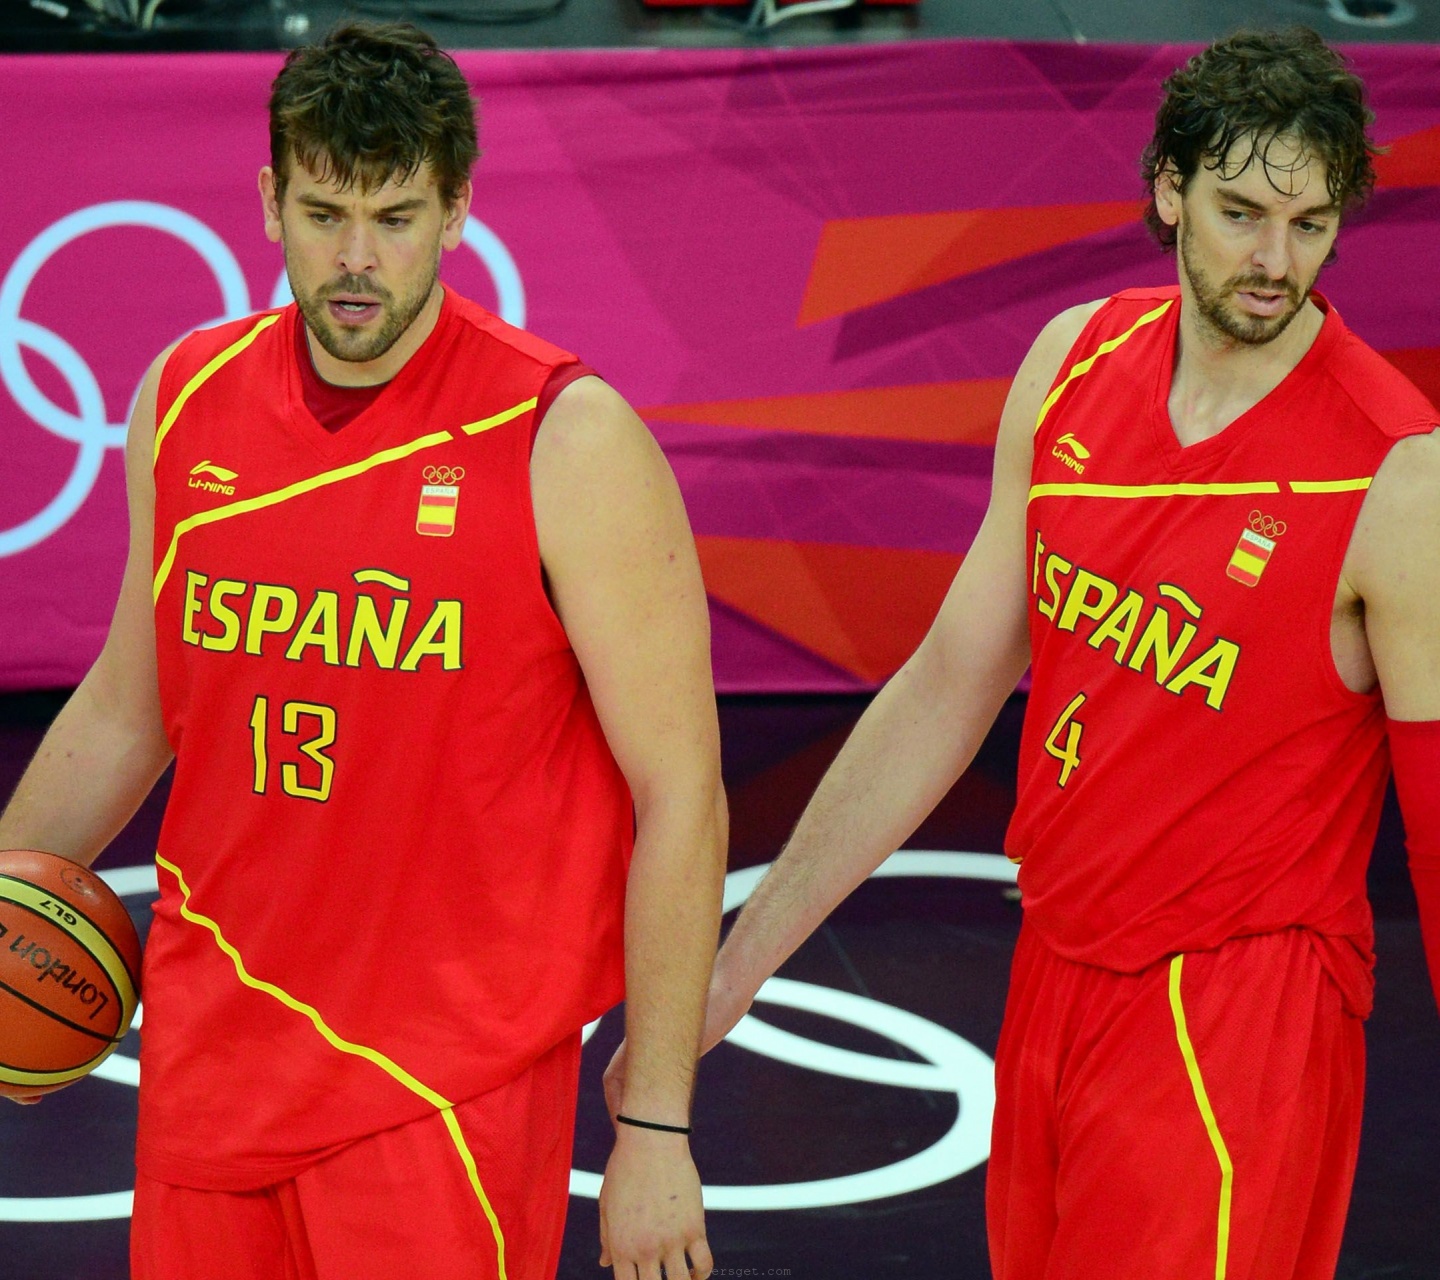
{"x":270,"y":203}
{"x":1167,"y":195}
{"x":456,"y":211}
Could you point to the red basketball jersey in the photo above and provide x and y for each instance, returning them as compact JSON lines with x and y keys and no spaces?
{"x":392,"y":866}
{"x":1192,"y":767}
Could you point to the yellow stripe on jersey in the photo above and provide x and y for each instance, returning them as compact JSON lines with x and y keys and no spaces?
{"x":1084,"y":366}
{"x":264,"y":500}
{"x":1083,"y":490}
{"x":204,"y":376}
{"x":1207,"y":1114}
{"x":308,"y":485}
{"x":499,"y":419}
{"x":1330,"y":486}
{"x":391,"y":1068}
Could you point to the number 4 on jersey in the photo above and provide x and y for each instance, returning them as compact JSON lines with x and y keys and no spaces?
{"x":1069,"y":753}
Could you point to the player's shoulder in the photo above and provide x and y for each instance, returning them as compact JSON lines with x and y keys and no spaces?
{"x":1125,"y":313}
{"x":1378,"y":390}
{"x":486,"y":327}
{"x":200,"y":346}
{"x":1087,"y":326}
{"x":1398,"y":515}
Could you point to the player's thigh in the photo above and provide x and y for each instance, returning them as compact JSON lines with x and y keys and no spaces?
{"x":1212,"y":1128}
{"x":437,"y":1201}
{"x":177,"y":1233}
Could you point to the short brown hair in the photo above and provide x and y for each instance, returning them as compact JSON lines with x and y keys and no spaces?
{"x":373,"y":101}
{"x":1262,"y":85}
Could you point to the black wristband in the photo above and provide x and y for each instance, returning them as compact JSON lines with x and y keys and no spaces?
{"x":650,"y":1124}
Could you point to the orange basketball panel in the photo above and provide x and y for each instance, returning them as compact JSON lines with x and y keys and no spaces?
{"x":58,"y":1007}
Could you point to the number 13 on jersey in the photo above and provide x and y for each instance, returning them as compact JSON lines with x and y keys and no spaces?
{"x":296,"y":718}
{"x":1068,"y":751}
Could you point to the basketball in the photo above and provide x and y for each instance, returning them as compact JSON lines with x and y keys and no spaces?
{"x":69,"y":972}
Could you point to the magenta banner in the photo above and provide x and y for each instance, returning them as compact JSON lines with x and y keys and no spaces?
{"x":813,"y":272}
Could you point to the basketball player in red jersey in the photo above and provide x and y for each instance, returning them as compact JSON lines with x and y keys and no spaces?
{"x":412,"y":600}
{"x":1213,"y":536}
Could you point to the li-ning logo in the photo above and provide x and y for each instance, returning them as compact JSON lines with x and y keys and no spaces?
{"x":221,"y":483}
{"x":439,"y":501}
{"x":1071,"y":452}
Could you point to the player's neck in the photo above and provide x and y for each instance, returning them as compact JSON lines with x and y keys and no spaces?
{"x":369,"y":373}
{"x":1217,"y":379}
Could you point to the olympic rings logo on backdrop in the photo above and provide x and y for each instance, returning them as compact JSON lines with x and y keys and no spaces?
{"x":443,"y":475}
{"x":1266,"y":526}
{"x":948,"y":1065}
{"x":88,"y":427}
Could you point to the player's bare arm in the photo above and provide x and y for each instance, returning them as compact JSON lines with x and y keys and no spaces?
{"x":107,"y":746}
{"x":1392,"y":574}
{"x":623,"y":574}
{"x":923,"y":728}
{"x":1393,"y":571}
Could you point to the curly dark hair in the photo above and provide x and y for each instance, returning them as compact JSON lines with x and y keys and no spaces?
{"x":1258,"y":86}
{"x":373,"y":101}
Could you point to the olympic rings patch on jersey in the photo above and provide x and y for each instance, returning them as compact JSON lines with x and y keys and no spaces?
{"x":1266,"y":526}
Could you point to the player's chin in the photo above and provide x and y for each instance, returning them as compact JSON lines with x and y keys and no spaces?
{"x":1256,"y":331}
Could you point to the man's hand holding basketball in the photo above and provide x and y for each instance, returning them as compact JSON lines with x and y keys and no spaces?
{"x":650,"y":1211}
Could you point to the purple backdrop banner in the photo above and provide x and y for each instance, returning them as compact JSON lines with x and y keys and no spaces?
{"x":813,"y":272}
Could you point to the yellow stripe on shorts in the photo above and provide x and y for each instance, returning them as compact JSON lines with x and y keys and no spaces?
{"x":1207,"y":1113}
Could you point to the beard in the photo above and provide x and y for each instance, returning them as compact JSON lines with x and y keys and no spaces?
{"x":1214,"y":301}
{"x":355,"y":345}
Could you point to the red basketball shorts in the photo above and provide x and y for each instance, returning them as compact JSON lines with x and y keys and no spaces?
{"x":397,"y":1203}
{"x":1195,"y":1121}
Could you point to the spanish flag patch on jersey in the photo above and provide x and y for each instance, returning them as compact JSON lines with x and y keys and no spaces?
{"x":439,"y":501}
{"x":1252,"y":553}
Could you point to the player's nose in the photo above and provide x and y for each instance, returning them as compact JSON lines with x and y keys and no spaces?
{"x":355,"y":253}
{"x":1272,"y":251}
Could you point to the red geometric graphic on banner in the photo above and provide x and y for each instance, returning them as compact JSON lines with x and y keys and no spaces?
{"x":862,"y":261}
{"x":948,"y":412}
{"x":862,"y":608}
{"x":1412,"y":161}
{"x":1422,"y":366}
